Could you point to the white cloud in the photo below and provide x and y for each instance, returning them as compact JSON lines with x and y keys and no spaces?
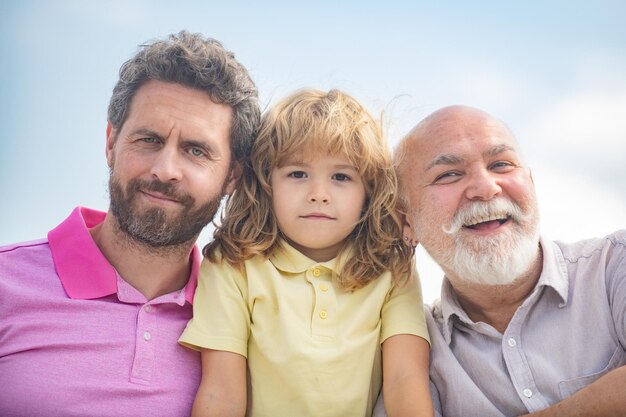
{"x":491,"y":89}
{"x":575,"y":207}
{"x":598,"y":67}
{"x":583,"y":134}
{"x":586,"y":123}
{"x":430,"y":275}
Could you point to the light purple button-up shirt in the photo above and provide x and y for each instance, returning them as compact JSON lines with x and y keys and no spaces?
{"x":78,"y":340}
{"x":570,"y":331}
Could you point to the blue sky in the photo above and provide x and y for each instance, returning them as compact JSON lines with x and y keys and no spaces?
{"x":554,"y":71}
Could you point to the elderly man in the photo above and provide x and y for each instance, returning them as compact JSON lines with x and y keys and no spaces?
{"x":91,"y":315}
{"x":524,"y":324}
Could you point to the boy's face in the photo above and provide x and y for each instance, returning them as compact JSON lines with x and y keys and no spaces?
{"x":317,"y":201}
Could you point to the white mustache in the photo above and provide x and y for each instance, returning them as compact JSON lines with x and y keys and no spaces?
{"x":482,"y":211}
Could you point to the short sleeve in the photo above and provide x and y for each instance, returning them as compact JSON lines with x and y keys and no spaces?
{"x":221,"y":317}
{"x":403,"y":312}
{"x":616,"y":285}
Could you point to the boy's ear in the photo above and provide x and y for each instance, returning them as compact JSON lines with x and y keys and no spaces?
{"x":233,"y":178}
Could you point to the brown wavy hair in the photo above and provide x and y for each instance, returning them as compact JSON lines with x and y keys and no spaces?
{"x":315,"y":122}
{"x":200,"y":63}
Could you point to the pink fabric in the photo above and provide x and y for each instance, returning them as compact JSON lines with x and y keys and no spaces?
{"x":77,"y":340}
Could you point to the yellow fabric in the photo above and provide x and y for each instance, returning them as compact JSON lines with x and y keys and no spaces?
{"x":312,"y":348}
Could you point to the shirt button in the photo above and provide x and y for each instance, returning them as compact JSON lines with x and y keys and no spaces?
{"x":147,"y":336}
{"x":316,"y":272}
{"x":323,"y":287}
{"x":512,"y":342}
{"x":148,"y":308}
{"x":323,"y":314}
{"x":527,"y":393}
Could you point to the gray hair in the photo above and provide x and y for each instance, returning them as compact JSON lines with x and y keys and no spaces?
{"x":201,"y":63}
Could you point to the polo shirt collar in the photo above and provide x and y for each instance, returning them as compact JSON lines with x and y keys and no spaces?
{"x":82,"y":268}
{"x":286,"y":258}
{"x":553,"y":275}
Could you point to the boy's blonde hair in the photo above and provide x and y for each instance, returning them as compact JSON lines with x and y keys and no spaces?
{"x":311,"y":122}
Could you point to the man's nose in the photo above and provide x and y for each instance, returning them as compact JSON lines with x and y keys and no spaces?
{"x":483,"y":185}
{"x":167,"y":165}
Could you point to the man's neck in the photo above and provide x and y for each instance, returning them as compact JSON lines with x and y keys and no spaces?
{"x":152,"y":271}
{"x":496,"y":304}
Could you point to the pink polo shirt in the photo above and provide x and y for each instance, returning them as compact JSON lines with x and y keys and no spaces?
{"x":78,"y":340}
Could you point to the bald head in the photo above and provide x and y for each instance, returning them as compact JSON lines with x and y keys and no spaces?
{"x":453,"y":123}
{"x":440,"y":132}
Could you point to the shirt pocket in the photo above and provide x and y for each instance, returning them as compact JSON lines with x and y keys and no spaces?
{"x":571,"y":386}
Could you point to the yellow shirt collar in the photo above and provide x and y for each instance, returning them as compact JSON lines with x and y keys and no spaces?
{"x":286,"y":258}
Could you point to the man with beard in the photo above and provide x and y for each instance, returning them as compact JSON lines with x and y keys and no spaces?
{"x":524,"y":325}
{"x":91,"y":315}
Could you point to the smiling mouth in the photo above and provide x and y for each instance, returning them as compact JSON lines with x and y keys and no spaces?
{"x":159,"y":197}
{"x":487,"y":223}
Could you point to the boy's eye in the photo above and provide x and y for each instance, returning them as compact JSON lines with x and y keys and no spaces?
{"x":297,"y":174}
{"x":341,"y":177}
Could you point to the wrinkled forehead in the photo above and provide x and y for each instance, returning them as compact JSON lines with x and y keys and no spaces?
{"x":462,"y":138}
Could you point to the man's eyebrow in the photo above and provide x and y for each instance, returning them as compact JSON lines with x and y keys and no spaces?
{"x":498,"y":149}
{"x":147,"y":132}
{"x":445,"y":159}
{"x":143,"y":131}
{"x":450,"y":159}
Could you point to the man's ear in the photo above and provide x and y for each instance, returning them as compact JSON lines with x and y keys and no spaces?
{"x":233,"y":178}
{"x":110,"y":142}
{"x":407,"y":232}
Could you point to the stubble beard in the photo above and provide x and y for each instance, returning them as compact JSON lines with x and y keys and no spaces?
{"x":495,"y":260}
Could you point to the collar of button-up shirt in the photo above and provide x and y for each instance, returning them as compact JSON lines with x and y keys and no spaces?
{"x":553,"y":275}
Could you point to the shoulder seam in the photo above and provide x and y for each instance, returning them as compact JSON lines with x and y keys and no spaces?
{"x":11,"y":248}
{"x":612,"y":238}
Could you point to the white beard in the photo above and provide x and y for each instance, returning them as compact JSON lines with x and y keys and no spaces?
{"x":497,"y":260}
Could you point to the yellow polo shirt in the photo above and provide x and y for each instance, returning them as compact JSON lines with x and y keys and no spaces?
{"x":313,"y":349}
